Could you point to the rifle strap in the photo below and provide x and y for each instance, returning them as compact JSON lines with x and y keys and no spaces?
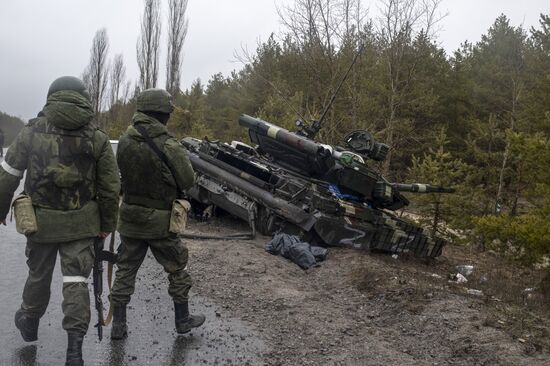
{"x":162,"y":156}
{"x":109,"y":318}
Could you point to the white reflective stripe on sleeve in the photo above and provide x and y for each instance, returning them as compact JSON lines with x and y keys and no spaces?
{"x":11,"y":170}
{"x":74,"y":279}
{"x":421,"y":188}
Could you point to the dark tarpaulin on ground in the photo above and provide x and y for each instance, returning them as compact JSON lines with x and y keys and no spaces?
{"x":299,"y":252}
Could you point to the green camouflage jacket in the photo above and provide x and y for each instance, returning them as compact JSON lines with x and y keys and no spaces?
{"x":72,"y":176}
{"x":148,"y":186}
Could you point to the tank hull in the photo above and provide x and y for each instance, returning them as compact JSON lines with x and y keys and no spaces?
{"x":273,"y":197}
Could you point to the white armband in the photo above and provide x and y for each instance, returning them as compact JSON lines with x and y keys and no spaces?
{"x":11,"y":170}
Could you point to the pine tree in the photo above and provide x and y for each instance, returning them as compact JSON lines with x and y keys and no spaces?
{"x":439,"y":167}
{"x":525,"y":236}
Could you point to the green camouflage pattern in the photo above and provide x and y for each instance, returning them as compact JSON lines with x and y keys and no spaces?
{"x":76,"y":259}
{"x":70,"y":167}
{"x":80,"y":223}
{"x":155,"y":100}
{"x":61,"y":173}
{"x":171,"y":253}
{"x":147,"y":184}
{"x":8,"y":185}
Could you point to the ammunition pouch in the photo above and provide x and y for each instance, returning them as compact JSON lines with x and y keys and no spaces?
{"x":178,"y":216}
{"x":25,"y":217}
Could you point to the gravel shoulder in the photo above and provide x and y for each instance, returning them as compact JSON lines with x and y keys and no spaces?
{"x":366,"y":309}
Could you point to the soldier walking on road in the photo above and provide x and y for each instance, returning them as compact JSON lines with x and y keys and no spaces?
{"x":73,"y":183}
{"x":154,"y":168}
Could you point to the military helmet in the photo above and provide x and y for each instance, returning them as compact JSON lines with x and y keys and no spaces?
{"x":69,"y":83}
{"x":155,"y":100}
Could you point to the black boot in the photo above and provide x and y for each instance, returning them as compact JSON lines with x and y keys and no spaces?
{"x":74,"y":349}
{"x":27,"y":325}
{"x":119,"y":329}
{"x":184,"y":321}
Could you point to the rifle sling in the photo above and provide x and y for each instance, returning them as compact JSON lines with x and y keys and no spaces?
{"x":162,"y":156}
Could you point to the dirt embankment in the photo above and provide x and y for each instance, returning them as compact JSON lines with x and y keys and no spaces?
{"x":362,"y":309}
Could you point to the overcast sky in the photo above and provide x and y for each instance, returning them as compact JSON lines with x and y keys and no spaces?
{"x":41,"y":40}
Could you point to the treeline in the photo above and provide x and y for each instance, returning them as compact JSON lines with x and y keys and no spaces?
{"x":477,"y":120}
{"x":106,"y":78}
{"x":10,"y":126}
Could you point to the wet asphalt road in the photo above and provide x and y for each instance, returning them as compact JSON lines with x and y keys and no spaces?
{"x":152,"y":339}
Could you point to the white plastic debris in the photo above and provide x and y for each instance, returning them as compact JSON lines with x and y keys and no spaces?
{"x":460,"y":278}
{"x":474,"y":292}
{"x":465,"y":269}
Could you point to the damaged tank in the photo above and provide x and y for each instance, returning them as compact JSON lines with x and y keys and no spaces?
{"x":325,"y":194}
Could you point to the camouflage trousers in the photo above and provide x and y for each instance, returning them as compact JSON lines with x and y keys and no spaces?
{"x":77,"y":260}
{"x":169,"y":252}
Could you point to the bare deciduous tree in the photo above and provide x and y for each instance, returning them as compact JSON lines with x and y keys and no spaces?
{"x":96,"y":74}
{"x":148,"y":45}
{"x":118,"y":78}
{"x":126,"y":91}
{"x":324,"y":23}
{"x":352,"y":18}
{"x":321,"y":30}
{"x":306,"y":20}
{"x":399,"y":23}
{"x":177,"y":30}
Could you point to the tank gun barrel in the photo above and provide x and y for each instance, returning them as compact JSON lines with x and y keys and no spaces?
{"x":283,"y":135}
{"x":282,"y":207}
{"x":422,"y":188}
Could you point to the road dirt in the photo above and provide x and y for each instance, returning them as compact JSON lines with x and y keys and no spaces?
{"x":367,"y":309}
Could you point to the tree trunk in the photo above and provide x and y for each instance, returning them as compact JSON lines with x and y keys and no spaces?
{"x":514,"y":210}
{"x":389,"y":136}
{"x":501,"y":179}
{"x":437,"y":216}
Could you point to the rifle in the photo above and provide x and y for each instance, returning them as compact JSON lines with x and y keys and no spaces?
{"x":100,"y":256}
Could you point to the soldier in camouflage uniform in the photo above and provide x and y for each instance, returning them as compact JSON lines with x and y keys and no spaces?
{"x":73,"y":181}
{"x":149,"y":188}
